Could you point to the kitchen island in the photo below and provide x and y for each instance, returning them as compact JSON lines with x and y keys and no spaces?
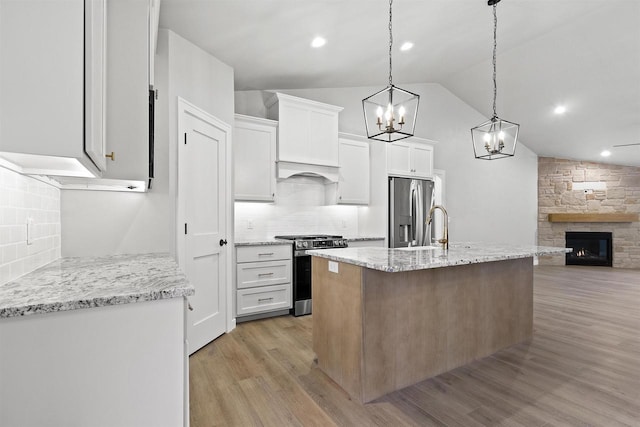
{"x":385,"y":319}
{"x":95,"y":341}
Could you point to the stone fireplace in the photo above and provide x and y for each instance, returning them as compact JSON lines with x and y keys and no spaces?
{"x":589,"y":248}
{"x":593,"y":197}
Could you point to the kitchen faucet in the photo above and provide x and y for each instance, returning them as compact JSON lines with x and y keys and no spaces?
{"x":445,"y":234}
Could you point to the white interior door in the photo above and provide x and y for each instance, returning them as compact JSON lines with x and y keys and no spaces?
{"x":202,"y":209}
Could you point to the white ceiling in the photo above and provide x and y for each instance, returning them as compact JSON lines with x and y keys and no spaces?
{"x":584,"y":54}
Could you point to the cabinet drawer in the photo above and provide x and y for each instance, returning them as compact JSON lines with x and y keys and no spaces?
{"x":252,"y":274}
{"x":264,"y":298}
{"x":263,"y":253}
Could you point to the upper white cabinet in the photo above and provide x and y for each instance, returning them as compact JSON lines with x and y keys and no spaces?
{"x":307,"y":136}
{"x":42,"y":86}
{"x":254,"y":152}
{"x":129,"y":49}
{"x":353,"y":182}
{"x":410,"y":158}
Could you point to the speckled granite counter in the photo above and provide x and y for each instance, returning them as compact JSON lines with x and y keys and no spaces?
{"x":73,"y":283}
{"x":263,"y":242}
{"x":395,"y":260}
{"x":363,"y":238}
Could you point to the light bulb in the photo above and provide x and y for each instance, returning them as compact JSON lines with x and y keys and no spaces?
{"x":501,"y":136}
{"x":389,"y":113}
{"x":379,"y":112}
{"x":401,"y":111}
{"x":487,"y":137}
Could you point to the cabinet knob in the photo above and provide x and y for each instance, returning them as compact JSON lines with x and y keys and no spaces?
{"x":223,"y":242}
{"x":111,"y":156}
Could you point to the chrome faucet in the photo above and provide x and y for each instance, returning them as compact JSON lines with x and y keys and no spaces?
{"x":445,"y":234}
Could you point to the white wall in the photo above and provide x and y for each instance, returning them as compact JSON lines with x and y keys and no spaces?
{"x":23,"y":197}
{"x":493,"y":201}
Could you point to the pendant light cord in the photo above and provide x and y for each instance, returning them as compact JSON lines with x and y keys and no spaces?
{"x":495,"y":45}
{"x":390,"y":40}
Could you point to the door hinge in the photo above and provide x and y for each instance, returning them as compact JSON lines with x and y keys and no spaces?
{"x":185,"y":228}
{"x":156,"y":93}
{"x":185,"y":138}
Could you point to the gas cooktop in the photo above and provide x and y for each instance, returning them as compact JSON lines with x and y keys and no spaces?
{"x":315,"y":241}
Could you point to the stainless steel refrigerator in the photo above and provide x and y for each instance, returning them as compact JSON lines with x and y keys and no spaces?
{"x":409,"y":204}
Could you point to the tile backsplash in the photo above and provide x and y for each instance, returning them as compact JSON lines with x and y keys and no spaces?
{"x":23,"y":198}
{"x":299,"y":209}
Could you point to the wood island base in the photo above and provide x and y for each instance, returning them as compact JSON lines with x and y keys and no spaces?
{"x":376,"y":332}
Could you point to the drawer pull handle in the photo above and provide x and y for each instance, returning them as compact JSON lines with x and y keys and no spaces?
{"x":265,"y":274}
{"x":265,"y":254}
{"x":265,"y":299}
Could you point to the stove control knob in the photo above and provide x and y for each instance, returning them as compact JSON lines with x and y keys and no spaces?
{"x":305,"y":244}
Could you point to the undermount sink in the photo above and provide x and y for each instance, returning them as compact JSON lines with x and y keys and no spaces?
{"x":418,"y":248}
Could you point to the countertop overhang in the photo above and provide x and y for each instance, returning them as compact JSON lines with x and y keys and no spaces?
{"x":74,"y":283}
{"x":398,"y":260}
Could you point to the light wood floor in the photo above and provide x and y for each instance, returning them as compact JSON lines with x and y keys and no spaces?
{"x":581,"y":368}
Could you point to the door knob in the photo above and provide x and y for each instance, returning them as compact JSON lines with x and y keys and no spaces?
{"x":223,"y":242}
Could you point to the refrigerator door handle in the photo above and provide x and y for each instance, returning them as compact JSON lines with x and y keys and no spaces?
{"x":412,"y":211}
{"x":419,"y":218}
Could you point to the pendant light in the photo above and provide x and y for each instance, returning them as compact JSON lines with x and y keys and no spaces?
{"x":496,"y":138}
{"x":390,"y":114}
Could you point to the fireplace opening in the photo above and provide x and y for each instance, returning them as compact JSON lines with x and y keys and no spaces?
{"x":589,"y":248}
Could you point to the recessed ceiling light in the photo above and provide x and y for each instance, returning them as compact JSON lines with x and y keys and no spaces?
{"x":318,"y":42}
{"x":560,"y":109}
{"x":605,"y":153}
{"x":406,"y":46}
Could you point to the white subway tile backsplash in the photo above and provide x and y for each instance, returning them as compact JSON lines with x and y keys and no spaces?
{"x":23,"y":197}
{"x":299,"y":209}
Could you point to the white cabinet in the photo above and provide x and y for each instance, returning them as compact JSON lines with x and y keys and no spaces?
{"x":353,"y":181}
{"x":119,"y":365}
{"x":263,"y":279}
{"x":410,"y":158}
{"x":129,"y":44}
{"x":254,"y":153}
{"x":42,"y":86}
{"x":307,"y":136}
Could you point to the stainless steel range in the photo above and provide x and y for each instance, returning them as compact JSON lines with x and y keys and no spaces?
{"x":302,"y":266}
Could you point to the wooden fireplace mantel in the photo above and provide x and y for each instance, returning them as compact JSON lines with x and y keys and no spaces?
{"x":593,"y":217}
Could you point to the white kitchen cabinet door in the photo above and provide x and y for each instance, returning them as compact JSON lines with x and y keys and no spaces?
{"x":128,"y":71}
{"x":42,"y":86}
{"x":399,"y":159}
{"x":254,"y":151}
{"x":352,"y":187}
{"x":95,"y":87}
{"x":411,"y":158}
{"x":422,"y":160}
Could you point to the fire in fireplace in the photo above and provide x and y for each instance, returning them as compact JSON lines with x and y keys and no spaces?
{"x":589,"y":248}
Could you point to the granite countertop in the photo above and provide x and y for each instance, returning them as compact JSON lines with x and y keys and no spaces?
{"x":74,"y":283}
{"x":263,"y":242}
{"x":363,"y":238}
{"x":396,"y":260}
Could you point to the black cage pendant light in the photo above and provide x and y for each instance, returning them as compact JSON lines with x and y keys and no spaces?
{"x":496,"y":138}
{"x":390,"y":114}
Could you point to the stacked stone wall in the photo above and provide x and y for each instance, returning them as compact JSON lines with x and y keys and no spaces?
{"x":556,"y":194}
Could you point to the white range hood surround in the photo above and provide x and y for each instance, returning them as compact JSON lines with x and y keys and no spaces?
{"x":307,"y":137}
{"x":288,"y":169}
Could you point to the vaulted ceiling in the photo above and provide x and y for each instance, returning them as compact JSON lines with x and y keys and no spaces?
{"x":583,"y":54}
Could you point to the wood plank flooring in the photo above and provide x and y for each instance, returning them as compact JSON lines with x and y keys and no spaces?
{"x":581,"y":368}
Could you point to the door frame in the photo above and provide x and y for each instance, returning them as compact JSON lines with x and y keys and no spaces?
{"x":185,"y":107}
